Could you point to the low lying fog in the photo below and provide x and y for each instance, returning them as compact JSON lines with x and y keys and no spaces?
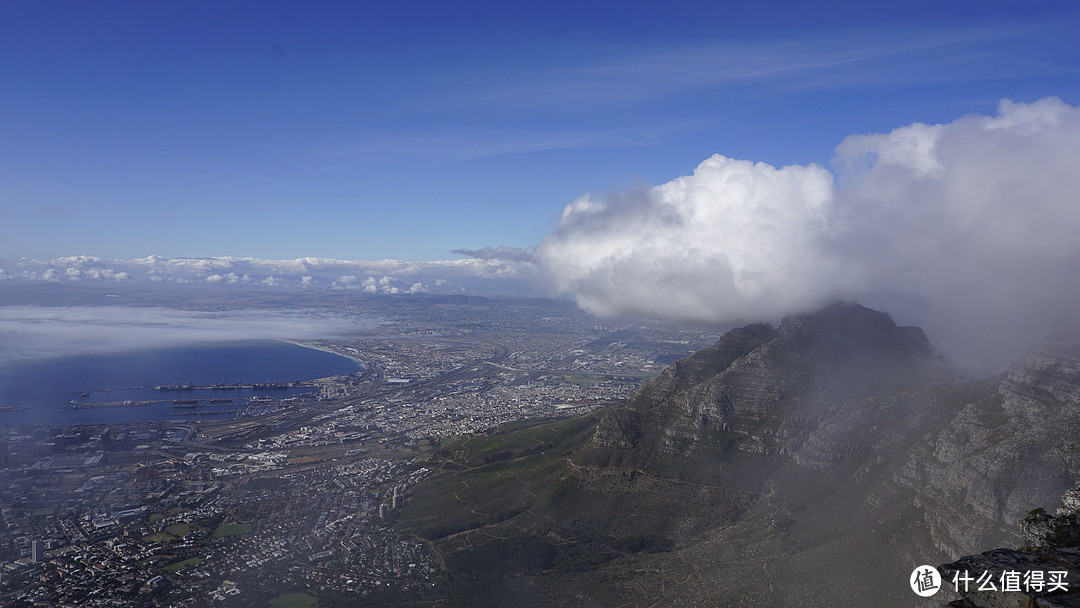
{"x":36,"y":332}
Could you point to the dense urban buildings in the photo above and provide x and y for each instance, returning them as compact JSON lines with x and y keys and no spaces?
{"x":295,"y":499}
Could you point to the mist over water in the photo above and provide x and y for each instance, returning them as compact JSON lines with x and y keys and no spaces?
{"x":50,"y":355}
{"x":43,"y":332}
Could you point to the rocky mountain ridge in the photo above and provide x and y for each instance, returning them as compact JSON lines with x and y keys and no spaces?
{"x":817,"y":461}
{"x":876,"y":412}
{"x":790,"y":390}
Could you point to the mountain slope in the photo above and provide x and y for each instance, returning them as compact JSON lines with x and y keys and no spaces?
{"x":1012,"y":447}
{"x":814,"y":462}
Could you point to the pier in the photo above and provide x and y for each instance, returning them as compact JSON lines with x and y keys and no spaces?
{"x":187,"y":386}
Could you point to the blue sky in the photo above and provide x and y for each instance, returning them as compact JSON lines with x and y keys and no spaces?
{"x":405,"y":130}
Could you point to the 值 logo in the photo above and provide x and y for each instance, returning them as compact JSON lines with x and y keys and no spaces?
{"x":925,"y":581}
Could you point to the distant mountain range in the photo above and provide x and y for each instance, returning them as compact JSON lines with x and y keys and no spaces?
{"x":814,"y":463}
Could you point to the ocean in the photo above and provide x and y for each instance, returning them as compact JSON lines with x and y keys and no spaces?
{"x":47,"y":389}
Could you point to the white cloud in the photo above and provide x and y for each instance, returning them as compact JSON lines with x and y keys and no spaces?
{"x":967,"y":228}
{"x":345,"y":281}
{"x":493,"y":276}
{"x":735,"y":240}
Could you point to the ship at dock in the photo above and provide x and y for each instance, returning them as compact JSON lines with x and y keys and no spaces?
{"x":275,"y":385}
{"x":175,"y":386}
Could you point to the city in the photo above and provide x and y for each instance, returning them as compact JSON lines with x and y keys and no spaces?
{"x":295,"y":501}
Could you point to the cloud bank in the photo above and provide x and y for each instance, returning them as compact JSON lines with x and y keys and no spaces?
{"x":35,"y":332}
{"x":479,"y":274}
{"x":970,"y":229}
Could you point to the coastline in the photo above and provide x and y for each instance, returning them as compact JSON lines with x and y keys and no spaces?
{"x":44,"y":390}
{"x":328,"y":349}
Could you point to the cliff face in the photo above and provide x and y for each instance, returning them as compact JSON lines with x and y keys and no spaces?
{"x":1012,"y":446}
{"x":697,"y":394}
{"x":854,"y":432}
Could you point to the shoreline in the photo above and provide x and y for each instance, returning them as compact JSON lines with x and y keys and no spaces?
{"x":64,"y":379}
{"x":328,"y":349}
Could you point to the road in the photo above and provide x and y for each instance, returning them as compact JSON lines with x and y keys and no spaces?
{"x":775,"y":585}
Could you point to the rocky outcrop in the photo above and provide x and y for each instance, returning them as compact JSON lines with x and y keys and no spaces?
{"x":1002,"y":578}
{"x":1045,"y":574}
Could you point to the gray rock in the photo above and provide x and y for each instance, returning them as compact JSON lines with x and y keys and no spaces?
{"x":991,"y":566}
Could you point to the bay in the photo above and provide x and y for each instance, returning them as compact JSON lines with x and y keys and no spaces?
{"x":47,"y":388}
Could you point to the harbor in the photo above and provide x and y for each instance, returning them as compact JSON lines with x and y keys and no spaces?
{"x":178,"y":403}
{"x":188,"y":386}
{"x":130,"y":387}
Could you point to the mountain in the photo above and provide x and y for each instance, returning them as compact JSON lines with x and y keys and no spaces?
{"x":813,"y":463}
{"x":790,"y":391}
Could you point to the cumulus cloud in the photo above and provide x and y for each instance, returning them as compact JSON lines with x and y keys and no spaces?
{"x":231,"y":278}
{"x":967,"y":228}
{"x":31,"y":332}
{"x":734,"y":240}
